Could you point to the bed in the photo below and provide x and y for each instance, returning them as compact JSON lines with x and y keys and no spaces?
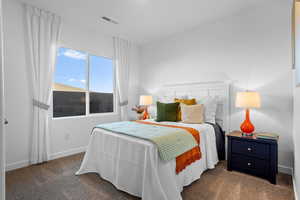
{"x":133,"y":165}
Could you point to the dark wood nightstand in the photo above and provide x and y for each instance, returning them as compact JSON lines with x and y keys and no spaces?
{"x":254,"y":156}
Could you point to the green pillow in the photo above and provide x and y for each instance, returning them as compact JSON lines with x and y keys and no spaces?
{"x":167,"y":111}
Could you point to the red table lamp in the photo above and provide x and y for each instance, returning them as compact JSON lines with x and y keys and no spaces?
{"x":247,"y":100}
{"x":145,"y":101}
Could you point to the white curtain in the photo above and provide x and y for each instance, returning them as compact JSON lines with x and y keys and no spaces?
{"x":122,"y":52}
{"x":43,"y":32}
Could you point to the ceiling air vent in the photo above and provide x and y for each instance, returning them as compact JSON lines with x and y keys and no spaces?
{"x":107,"y":19}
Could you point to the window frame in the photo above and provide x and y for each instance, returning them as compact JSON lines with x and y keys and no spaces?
{"x":87,"y":88}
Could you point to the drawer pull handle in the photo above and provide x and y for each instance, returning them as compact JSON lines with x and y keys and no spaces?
{"x":249,"y":149}
{"x":249,"y":164}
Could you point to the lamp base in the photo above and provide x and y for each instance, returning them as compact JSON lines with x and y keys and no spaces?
{"x":247,"y":127}
{"x":145,"y":114}
{"x":247,"y":134}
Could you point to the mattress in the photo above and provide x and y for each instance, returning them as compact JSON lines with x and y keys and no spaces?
{"x":133,"y":165}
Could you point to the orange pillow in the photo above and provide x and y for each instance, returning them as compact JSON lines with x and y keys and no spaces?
{"x":186,"y":102}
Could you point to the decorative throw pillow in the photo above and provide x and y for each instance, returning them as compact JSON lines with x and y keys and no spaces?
{"x":167,"y":111}
{"x":210,"y":107}
{"x":186,"y":102}
{"x":192,"y":114}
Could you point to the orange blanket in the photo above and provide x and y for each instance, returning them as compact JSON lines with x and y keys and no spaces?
{"x":188,"y":157}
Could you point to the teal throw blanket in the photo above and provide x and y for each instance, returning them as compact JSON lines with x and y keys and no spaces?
{"x":171,"y":142}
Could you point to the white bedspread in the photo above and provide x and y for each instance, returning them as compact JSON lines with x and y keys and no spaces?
{"x":133,"y":165}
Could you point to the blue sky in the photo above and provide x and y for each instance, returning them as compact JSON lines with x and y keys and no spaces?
{"x":71,"y":69}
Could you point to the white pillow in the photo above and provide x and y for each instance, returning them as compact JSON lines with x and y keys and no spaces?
{"x":192,"y":114}
{"x":152,"y":110}
{"x":210,"y":108}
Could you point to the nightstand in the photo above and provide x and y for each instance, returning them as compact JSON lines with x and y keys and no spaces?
{"x":253,"y":156}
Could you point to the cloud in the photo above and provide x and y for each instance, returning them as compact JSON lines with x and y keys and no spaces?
{"x":76,"y":80}
{"x":74,"y":54}
{"x":72,"y":80}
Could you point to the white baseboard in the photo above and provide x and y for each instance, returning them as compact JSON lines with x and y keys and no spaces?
{"x":25,"y":163}
{"x":68,"y":153}
{"x":295,"y":189}
{"x":285,"y":169}
{"x":17,"y":165}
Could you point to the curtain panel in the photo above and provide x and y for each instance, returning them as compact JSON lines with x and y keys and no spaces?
{"x":122,"y":57}
{"x":43,"y":30}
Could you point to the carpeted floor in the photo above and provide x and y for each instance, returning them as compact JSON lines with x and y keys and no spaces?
{"x":55,"y":180}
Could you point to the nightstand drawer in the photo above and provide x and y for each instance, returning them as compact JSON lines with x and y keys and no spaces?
{"x":255,"y":149}
{"x":249,"y":165}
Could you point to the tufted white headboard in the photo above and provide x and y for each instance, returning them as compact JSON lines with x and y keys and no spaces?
{"x":220,"y":90}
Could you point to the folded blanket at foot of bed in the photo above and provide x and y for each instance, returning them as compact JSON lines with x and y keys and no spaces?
{"x":172,"y":141}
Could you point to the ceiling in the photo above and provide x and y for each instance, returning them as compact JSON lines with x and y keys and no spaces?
{"x":143,"y":21}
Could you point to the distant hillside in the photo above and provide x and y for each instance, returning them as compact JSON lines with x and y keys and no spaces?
{"x":63,"y":87}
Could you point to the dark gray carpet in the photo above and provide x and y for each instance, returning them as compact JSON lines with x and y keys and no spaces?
{"x":55,"y":180}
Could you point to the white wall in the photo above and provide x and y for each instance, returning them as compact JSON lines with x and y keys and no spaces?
{"x":297,"y":141}
{"x":252,"y":48}
{"x":69,"y":135}
{"x":296,"y":136}
{"x":2,"y":133}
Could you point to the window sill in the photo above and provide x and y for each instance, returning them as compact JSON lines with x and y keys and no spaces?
{"x":114,"y":114}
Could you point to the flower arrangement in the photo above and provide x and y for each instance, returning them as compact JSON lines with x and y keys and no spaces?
{"x":139,"y":110}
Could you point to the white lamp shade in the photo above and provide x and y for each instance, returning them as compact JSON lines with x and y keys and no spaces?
{"x":247,"y":100}
{"x":145,"y":100}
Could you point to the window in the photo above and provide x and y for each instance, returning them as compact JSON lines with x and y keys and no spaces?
{"x":83,"y":84}
{"x":101,"y":90}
